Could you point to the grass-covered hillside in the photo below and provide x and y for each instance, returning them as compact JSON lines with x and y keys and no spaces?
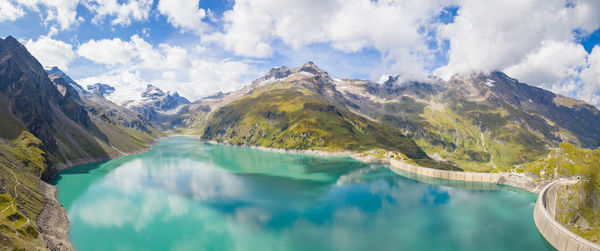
{"x":289,"y":115}
{"x":578,"y":205}
{"x":480,"y":122}
{"x":476,"y":137}
{"x":477,"y":122}
{"x":22,"y":163}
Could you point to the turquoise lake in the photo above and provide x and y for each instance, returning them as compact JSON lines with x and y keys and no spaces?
{"x":185,"y":194}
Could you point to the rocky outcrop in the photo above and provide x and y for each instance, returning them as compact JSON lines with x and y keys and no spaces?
{"x":59,"y":73}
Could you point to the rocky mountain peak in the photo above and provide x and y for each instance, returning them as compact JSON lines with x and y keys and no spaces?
{"x":278,"y":72}
{"x":100,"y":89}
{"x":160,"y":100}
{"x":53,"y":70}
{"x":307,"y":70}
{"x":10,"y":48}
{"x":153,"y":92}
{"x":391,"y":81}
{"x":312,"y":68}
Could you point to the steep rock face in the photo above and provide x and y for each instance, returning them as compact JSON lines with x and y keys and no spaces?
{"x":57,"y":72}
{"x":557,"y":110}
{"x":32,"y":98}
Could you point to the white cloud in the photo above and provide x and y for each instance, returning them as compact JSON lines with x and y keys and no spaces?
{"x":123,"y":13}
{"x":176,"y":57}
{"x":10,"y":12}
{"x":132,"y":64}
{"x":590,"y":76}
{"x":64,"y":12}
{"x":494,"y":35}
{"x":107,"y":51}
{"x":532,"y":40}
{"x":51,"y":52}
{"x":206,"y":76}
{"x":185,"y":14}
{"x":150,"y":57}
{"x":209,"y":76}
{"x":555,"y":64}
{"x":586,"y":15}
{"x":392,"y":27}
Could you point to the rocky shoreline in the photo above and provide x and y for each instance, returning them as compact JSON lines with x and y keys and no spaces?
{"x":53,"y":222}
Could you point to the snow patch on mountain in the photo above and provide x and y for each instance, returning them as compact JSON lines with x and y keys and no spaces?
{"x":53,"y":70}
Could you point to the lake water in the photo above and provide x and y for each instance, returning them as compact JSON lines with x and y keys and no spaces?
{"x":189,"y":195}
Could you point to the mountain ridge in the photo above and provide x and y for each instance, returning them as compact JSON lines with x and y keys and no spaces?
{"x":47,"y":122}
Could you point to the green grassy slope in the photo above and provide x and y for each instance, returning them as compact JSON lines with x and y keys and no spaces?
{"x":293,"y":117}
{"x":476,"y":137}
{"x":480,"y":122}
{"x":22,"y":163}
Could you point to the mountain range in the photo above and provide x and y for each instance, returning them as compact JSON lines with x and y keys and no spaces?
{"x":474,"y":122}
{"x":481,"y":122}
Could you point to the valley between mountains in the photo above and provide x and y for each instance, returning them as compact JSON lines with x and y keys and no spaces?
{"x":477,"y":122}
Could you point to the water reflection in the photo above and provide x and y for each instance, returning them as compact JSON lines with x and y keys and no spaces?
{"x":186,"y":195}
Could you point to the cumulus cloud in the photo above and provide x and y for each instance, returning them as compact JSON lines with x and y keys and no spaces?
{"x":132,"y":64}
{"x":123,"y":13}
{"x":175,"y":57}
{"x":535,"y":41}
{"x":383,"y":24}
{"x":497,"y":34}
{"x":63,"y":12}
{"x":590,"y":76}
{"x":107,"y":51}
{"x":486,"y":35}
{"x":395,"y":28}
{"x":9,"y":11}
{"x":51,"y":52}
{"x":553,"y":65}
{"x":185,"y":14}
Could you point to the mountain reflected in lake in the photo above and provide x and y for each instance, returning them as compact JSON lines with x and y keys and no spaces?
{"x":190,"y":195}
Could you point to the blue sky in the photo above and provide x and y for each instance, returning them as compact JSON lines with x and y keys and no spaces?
{"x":201,"y":47}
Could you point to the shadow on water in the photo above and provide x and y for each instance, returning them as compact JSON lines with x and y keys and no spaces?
{"x":471,"y":185}
{"x":81,"y":169}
